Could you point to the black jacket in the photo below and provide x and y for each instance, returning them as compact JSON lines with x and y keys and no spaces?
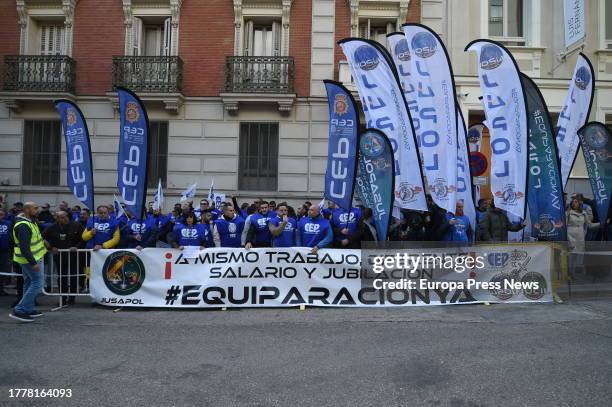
{"x":64,"y":236}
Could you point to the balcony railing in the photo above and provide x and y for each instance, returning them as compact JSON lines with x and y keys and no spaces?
{"x":39,"y":73}
{"x":156,"y":74}
{"x":259,"y":74}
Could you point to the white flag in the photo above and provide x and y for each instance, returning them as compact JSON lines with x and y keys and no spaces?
{"x":158,"y":199}
{"x":385,"y":109}
{"x":574,"y":21}
{"x":119,"y":212}
{"x":574,"y":115}
{"x":211,"y":191}
{"x":435,"y":119}
{"x":505,"y":110}
{"x":189,"y":193}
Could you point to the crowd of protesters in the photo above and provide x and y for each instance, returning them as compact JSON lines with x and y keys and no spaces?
{"x":257,"y":224}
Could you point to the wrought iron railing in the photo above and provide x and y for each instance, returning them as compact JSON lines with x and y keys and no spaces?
{"x":39,"y":73}
{"x":163,"y":74}
{"x":261,"y":74}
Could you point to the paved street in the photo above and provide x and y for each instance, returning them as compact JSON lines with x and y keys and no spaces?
{"x":527,"y":355}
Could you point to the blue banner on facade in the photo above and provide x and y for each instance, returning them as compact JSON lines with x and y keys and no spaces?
{"x":79,"y":171}
{"x":377,"y":169}
{"x":544,"y":186}
{"x":343,"y":145}
{"x":132,"y":164}
{"x":597,"y":149}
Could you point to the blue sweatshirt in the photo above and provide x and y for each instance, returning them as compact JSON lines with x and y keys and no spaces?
{"x":341,"y":219}
{"x":314,"y":232}
{"x":287,"y":238}
{"x":194,"y":235}
{"x":5,"y":234}
{"x":145,"y":229}
{"x":105,"y":229}
{"x":460,"y":231}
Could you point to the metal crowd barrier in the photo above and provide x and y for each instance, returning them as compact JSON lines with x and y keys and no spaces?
{"x":66,"y":275}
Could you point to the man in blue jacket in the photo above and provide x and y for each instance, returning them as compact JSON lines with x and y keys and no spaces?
{"x":344,"y":225}
{"x":459,"y":227}
{"x":256,"y":232}
{"x":140,"y":235}
{"x":227,"y":230}
{"x":314,"y":230}
{"x":283,"y":228}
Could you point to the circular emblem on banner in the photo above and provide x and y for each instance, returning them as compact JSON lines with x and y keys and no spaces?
{"x":536,"y":279}
{"x":424,"y":44}
{"x":71,"y":117}
{"x":372,"y":144}
{"x":231,"y":228}
{"x":402,"y":51}
{"x":502,"y":293}
{"x":131,"y":112}
{"x":340,"y":104}
{"x":491,"y":57}
{"x":597,"y":138}
{"x":602,"y":154}
{"x":582,"y":78}
{"x":407,"y":192}
{"x":508,"y":194}
{"x":478,"y":163}
{"x":366,"y":57}
{"x":439,"y":188}
{"x":546,"y":226}
{"x":123,"y":272}
{"x":381,"y":163}
{"x":473,"y":135}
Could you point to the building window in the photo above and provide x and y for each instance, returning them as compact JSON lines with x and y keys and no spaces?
{"x":262,"y":39}
{"x":258,"y":168}
{"x":46,"y":27}
{"x":261,"y":28}
{"x":158,"y":154}
{"x":42,"y":146}
{"x":507,"y":21}
{"x":608,"y":23}
{"x":377,"y":30}
{"x":51,"y":39}
{"x":151,"y":37}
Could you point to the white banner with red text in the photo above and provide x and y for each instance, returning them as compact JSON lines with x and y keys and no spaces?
{"x":279,"y":277}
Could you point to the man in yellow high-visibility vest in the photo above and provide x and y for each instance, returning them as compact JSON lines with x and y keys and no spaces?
{"x":29,"y":252}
